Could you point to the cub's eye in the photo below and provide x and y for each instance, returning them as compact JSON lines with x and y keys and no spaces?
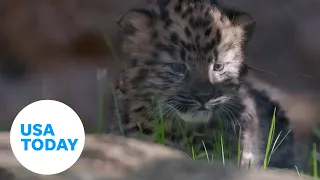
{"x":179,"y":68}
{"x":218,"y":67}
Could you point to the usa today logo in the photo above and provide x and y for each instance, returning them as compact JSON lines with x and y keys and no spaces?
{"x":47,"y":137}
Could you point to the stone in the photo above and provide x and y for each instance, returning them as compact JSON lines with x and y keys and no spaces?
{"x":111,"y":157}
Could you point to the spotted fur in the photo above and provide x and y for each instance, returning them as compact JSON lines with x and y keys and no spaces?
{"x":187,"y":57}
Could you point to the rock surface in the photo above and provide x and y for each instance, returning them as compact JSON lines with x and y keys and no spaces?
{"x":108,"y":157}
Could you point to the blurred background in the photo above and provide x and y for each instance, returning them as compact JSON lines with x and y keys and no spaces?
{"x":52,"y":49}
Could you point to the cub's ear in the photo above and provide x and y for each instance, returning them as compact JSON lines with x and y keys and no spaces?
{"x":244,"y":20}
{"x":135,"y":20}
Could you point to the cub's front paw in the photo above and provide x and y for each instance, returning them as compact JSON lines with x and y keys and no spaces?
{"x":248,"y":160}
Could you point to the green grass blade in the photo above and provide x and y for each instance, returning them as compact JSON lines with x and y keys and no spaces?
{"x":118,"y":62}
{"x":314,"y":161}
{"x":239,"y":146}
{"x":140,"y":128}
{"x":298,"y":172}
{"x":206,"y":152}
{"x":270,"y":138}
{"x":192,"y":152}
{"x":222,"y":150}
{"x":276,"y":147}
{"x":113,"y":52}
{"x":117,"y":111}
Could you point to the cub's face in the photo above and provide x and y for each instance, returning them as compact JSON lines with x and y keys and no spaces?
{"x":188,"y":55}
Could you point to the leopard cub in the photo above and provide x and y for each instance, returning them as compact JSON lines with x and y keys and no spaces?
{"x":188,"y":57}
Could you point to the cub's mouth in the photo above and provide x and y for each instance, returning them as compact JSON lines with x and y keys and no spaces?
{"x":197,"y":116}
{"x":193,"y":111}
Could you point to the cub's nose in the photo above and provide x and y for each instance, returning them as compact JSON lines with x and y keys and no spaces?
{"x":202,"y":108}
{"x":202,"y":99}
{"x":202,"y":91}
